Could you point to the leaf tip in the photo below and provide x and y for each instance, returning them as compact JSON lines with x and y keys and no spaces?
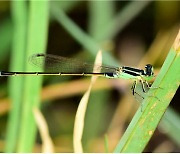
{"x":176,"y":44}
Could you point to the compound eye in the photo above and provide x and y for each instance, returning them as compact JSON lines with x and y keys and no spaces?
{"x":148,"y":66}
{"x":149,"y":70}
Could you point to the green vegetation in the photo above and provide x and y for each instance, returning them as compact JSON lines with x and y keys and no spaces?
{"x":129,"y":33}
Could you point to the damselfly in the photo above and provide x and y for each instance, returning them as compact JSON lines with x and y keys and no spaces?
{"x":61,"y":66}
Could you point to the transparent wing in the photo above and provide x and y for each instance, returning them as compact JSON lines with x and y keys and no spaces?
{"x":55,"y":63}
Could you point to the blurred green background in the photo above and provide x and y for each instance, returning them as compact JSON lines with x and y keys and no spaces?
{"x":131,"y":33}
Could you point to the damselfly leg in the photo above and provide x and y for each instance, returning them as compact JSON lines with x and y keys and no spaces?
{"x":133,"y":88}
{"x":144,"y":88}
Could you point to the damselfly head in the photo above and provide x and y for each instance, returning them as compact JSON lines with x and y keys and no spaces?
{"x":149,"y":70}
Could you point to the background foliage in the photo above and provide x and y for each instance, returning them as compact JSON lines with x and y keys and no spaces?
{"x":129,"y":33}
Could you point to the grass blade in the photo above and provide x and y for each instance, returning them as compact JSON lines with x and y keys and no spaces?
{"x":100,"y":14}
{"x":84,"y":39}
{"x":170,"y":124}
{"x":80,"y":115}
{"x":5,"y":37}
{"x":123,"y":18}
{"x":106,"y":144}
{"x":47,"y":144}
{"x":19,"y":16}
{"x":36,"y":42}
